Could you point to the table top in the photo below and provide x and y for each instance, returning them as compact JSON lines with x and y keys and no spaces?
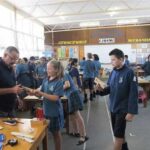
{"x":32,"y":98}
{"x":24,"y":127}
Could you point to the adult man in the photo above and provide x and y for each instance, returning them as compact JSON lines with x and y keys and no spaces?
{"x":8,"y":87}
{"x":122,"y":87}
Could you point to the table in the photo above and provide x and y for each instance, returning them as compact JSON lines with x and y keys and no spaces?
{"x":145,"y":84}
{"x":30,"y":102}
{"x":64,"y":100}
{"x":40,"y":134}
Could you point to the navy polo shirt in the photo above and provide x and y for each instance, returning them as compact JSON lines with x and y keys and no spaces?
{"x":123,"y":90}
{"x":7,"y":80}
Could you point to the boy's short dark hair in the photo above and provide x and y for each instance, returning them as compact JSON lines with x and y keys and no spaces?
{"x":117,"y":52}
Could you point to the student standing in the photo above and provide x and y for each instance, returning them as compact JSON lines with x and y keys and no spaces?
{"x":81,"y":63}
{"x":123,"y":98}
{"x":68,"y":68}
{"x":74,"y":73}
{"x":32,"y":74}
{"x":97,"y":70}
{"x":88,"y":78}
{"x":23,"y":74}
{"x":146,"y":67}
{"x":41,"y":71}
{"x":127,"y":62}
{"x":97,"y":65}
{"x":75,"y":101}
{"x":52,"y":90}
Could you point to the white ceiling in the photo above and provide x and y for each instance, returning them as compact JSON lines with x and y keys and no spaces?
{"x":67,"y":14}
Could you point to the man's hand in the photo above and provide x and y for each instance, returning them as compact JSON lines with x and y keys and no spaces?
{"x":17,"y":89}
{"x":129,"y":117}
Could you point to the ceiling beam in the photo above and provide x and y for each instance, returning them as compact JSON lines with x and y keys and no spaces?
{"x":57,"y":3}
{"x":102,"y":19}
{"x":102,"y":27}
{"x":94,"y":12}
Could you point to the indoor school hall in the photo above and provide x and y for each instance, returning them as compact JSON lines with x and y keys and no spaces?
{"x":74,"y":75}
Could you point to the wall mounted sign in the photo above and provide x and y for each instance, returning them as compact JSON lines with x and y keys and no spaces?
{"x":72,"y":42}
{"x":106,"y":40}
{"x":139,"y":40}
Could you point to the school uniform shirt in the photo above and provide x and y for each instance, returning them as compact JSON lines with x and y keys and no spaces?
{"x":41,"y":70}
{"x":7,"y":80}
{"x":127,"y":62}
{"x":82,"y":62}
{"x":122,"y":87}
{"x":97,"y":68}
{"x":23,"y":75}
{"x":53,"y":87}
{"x":72,"y":87}
{"x":74,"y":73}
{"x":89,"y":69}
{"x":75,"y":100}
{"x":32,"y":73}
{"x":146,"y":68}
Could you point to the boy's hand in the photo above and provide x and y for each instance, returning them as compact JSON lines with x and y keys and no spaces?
{"x":98,"y":87}
{"x":129,"y":117}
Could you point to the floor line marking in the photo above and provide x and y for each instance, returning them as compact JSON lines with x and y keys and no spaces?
{"x":109,"y":118}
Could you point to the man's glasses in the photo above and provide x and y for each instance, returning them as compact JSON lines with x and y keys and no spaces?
{"x":13,"y":58}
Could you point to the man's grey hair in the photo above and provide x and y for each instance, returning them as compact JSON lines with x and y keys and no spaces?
{"x":11,"y":49}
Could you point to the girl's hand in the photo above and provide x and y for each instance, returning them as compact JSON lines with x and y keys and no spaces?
{"x":37,"y":93}
{"x":129,"y":117}
{"x":30,"y":92}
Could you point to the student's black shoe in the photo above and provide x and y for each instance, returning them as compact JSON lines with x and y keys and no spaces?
{"x":85,"y":98}
{"x":82,"y":141}
{"x":85,"y":101}
{"x":94,"y":94}
{"x":91,"y":97}
{"x":97,"y":93}
{"x":125,"y":146}
{"x":75,"y":134}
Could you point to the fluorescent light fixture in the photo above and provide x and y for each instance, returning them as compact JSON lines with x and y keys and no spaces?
{"x":63,"y":17}
{"x":89,"y":24}
{"x":129,"y":21}
{"x":113,"y":13}
{"x":114,"y":8}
